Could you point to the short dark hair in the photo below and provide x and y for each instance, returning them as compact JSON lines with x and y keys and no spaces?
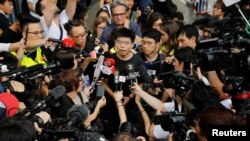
{"x":189,"y":31}
{"x":17,"y":129}
{"x":152,"y":33}
{"x":185,"y":55}
{"x":3,"y":1}
{"x":26,"y":19}
{"x":123,"y":32}
{"x":72,"y":23}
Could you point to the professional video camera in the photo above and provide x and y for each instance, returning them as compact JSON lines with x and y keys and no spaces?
{"x":229,"y":51}
{"x":177,"y":123}
{"x":58,"y":130}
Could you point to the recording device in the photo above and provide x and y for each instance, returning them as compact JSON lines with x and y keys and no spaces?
{"x":48,"y":101}
{"x":51,"y":133}
{"x":65,"y":43}
{"x":116,"y":79}
{"x":57,"y":129}
{"x":100,"y":92}
{"x":21,"y":71}
{"x":129,"y":128}
{"x":97,"y":71}
{"x":108,"y":66}
{"x":76,"y":115}
{"x":174,"y":123}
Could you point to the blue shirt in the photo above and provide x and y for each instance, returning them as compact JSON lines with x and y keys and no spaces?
{"x":132,"y":25}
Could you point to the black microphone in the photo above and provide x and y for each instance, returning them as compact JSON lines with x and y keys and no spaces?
{"x":166,"y":73}
{"x":182,"y":75}
{"x":22,"y":71}
{"x":77,"y":114}
{"x":144,"y":74}
{"x":132,"y":75}
{"x":54,"y":94}
{"x":116,"y":79}
{"x":55,"y":40}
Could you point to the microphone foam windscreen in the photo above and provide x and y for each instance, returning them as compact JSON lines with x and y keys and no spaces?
{"x":11,"y":103}
{"x":68,"y":43}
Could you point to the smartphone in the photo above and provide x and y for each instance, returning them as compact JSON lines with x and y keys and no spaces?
{"x":99,"y":91}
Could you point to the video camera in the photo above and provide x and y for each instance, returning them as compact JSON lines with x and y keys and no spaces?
{"x":177,"y":123}
{"x":228,"y":51}
{"x":57,"y":130}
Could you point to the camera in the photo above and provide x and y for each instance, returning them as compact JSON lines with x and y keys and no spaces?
{"x":178,"y":123}
{"x":57,"y":130}
{"x":128,"y":127}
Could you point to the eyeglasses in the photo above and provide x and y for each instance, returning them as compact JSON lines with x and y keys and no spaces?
{"x":83,"y":35}
{"x":127,"y":43}
{"x":147,"y":43}
{"x":119,"y":14}
{"x":37,"y":33}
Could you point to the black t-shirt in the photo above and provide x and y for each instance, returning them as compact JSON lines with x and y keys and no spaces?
{"x":122,"y":66}
{"x":4,"y":22}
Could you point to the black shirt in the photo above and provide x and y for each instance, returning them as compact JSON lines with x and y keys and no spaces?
{"x":123,"y":68}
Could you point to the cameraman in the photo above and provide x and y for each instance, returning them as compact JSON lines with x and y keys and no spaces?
{"x":188,"y":35}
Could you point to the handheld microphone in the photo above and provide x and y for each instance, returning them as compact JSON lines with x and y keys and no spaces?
{"x":97,"y":71}
{"x":116,"y":79}
{"x":144,"y":74}
{"x":110,"y":63}
{"x":55,"y":40}
{"x":77,"y":114}
{"x":68,"y":43}
{"x":132,"y":75}
{"x":22,"y":71}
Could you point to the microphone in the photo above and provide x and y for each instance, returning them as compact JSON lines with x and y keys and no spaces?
{"x":97,"y":71}
{"x":54,"y":94}
{"x":144,"y":74}
{"x":149,"y":64}
{"x":67,"y":42}
{"x":55,"y":40}
{"x":110,"y":63}
{"x":22,"y":71}
{"x":77,"y":114}
{"x":132,"y":75}
{"x":116,"y":79}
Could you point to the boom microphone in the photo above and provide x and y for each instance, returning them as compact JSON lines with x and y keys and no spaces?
{"x":54,"y":94}
{"x":22,"y":71}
